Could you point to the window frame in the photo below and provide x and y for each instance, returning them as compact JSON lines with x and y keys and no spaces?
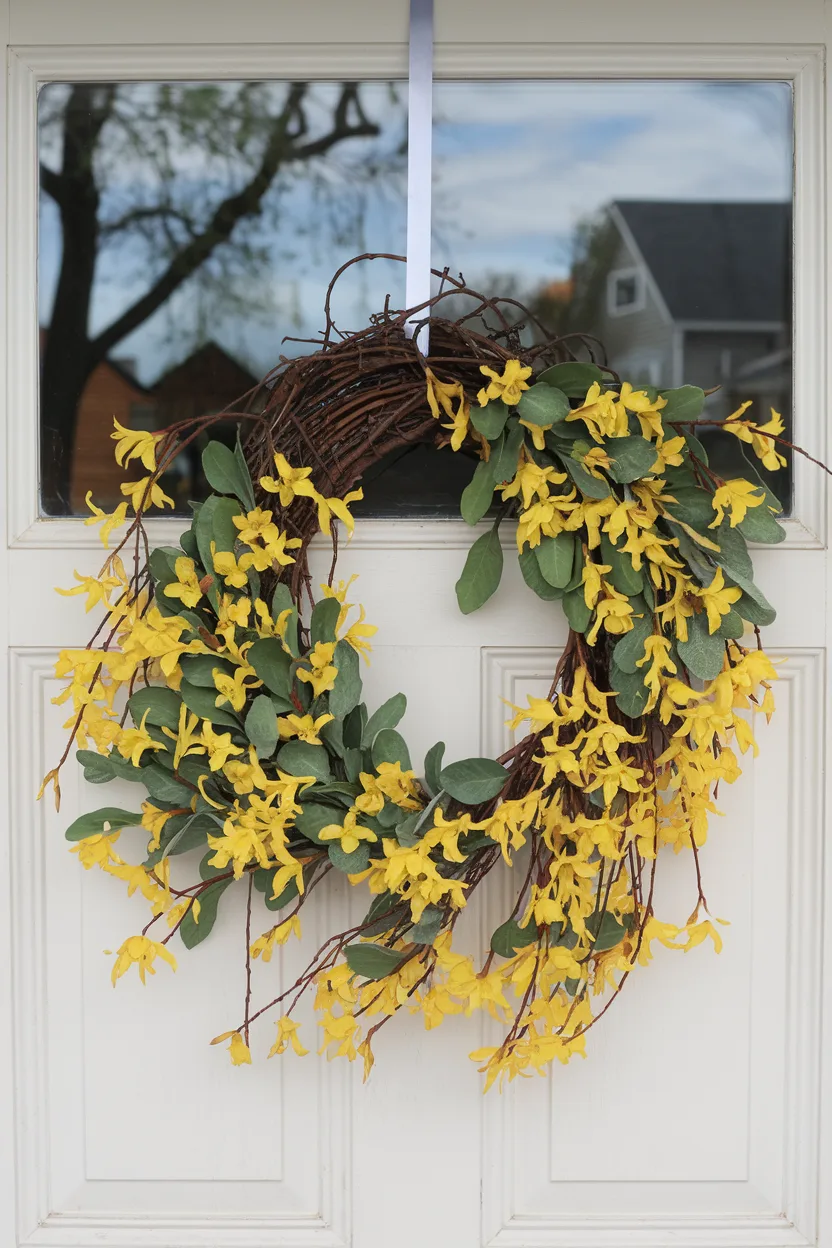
{"x":639,"y":302}
{"x":31,"y":67}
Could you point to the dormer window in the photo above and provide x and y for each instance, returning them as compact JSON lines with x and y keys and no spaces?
{"x":625,"y":291}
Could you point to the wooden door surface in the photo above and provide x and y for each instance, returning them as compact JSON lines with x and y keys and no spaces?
{"x":700,"y":1115}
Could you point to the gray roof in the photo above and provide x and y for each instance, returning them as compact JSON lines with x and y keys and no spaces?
{"x":716,"y":262}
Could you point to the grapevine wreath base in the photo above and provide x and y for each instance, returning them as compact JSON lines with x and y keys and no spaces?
{"x":227,"y":685}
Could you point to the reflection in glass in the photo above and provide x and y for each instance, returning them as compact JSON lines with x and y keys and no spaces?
{"x":185,"y":229}
{"x":653,"y":215}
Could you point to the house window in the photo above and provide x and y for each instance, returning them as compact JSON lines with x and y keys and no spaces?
{"x":625,"y":291}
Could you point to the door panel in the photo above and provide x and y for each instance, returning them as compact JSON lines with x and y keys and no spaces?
{"x":695,"y":1119}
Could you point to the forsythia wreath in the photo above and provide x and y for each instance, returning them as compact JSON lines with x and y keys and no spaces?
{"x":229,"y":689}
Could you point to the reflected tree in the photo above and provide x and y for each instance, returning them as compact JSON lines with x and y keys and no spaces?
{"x":112,"y":164}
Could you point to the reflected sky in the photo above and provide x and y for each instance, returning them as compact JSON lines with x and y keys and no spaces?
{"x":517,"y":166}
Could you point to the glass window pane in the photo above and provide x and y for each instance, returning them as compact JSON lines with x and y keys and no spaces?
{"x":185,"y":229}
{"x":656,"y":216}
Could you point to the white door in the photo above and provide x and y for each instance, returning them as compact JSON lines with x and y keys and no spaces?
{"x":698,"y":1116}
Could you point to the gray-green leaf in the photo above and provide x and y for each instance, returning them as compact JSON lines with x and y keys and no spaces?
{"x":703,"y":653}
{"x":373,"y":961}
{"x":346,"y":692}
{"x":543,"y":404}
{"x":261,"y":726}
{"x":473,"y":780}
{"x":387,"y":716}
{"x":193,"y":932}
{"x":481,"y":574}
{"x":490,"y":420}
{"x":300,"y":758}
{"x":92,"y":824}
{"x":478,"y":493}
{"x":390,"y":746}
{"x":554,"y":558}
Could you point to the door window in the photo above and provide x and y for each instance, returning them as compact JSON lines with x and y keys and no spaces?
{"x":186,"y":229}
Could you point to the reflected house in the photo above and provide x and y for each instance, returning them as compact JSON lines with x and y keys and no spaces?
{"x":206,"y":381}
{"x":111,"y":391}
{"x":700,"y":293}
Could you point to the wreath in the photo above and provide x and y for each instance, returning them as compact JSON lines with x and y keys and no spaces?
{"x":228,"y":687}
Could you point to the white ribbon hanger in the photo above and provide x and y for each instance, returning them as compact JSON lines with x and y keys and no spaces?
{"x":419,"y":166}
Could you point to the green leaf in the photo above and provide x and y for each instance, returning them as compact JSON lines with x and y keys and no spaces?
{"x":161,"y":705}
{"x":263,"y":880}
{"x":695,"y":447}
{"x":623,"y":576}
{"x":478,"y":493}
{"x":733,"y":551}
{"x":534,"y":578}
{"x":272,"y":665}
{"x":373,"y":961}
{"x":188,"y":543}
{"x":505,"y":453}
{"x":324,"y":620}
{"x":92,"y":824}
{"x":198,"y":669}
{"x":577,"y":613}
{"x":703,"y":653}
{"x":573,"y":377}
{"x":427,"y":929}
{"x":261,"y":726}
{"x":215,"y":523}
{"x":207,"y":871}
{"x":510,"y":936}
{"x":97,"y":767}
{"x":352,"y":863}
{"x":753,"y":606}
{"x":589,"y":486}
{"x":202,"y":702}
{"x":346,"y":692}
{"x":543,"y":404}
{"x":282,"y":600}
{"x":387,"y":716}
{"x":554,"y":558}
{"x":632,"y":458}
{"x":245,"y":475}
{"x":606,"y":931}
{"x":226,"y":474}
{"x":491,"y":419}
{"x":162,"y":786}
{"x":314,"y":816}
{"x":630,"y":690}
{"x":759,"y":525}
{"x":389,"y":746}
{"x":695,"y":508}
{"x":191,"y":834}
{"x":473,"y":780}
{"x":481,"y":574}
{"x":630,"y":648}
{"x":433,"y":766}
{"x":300,"y":758}
{"x":683,"y":403}
{"x":732,"y":626}
{"x":193,"y":933}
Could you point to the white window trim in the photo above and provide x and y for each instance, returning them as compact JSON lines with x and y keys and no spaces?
{"x":640,"y":301}
{"x":31,"y":67}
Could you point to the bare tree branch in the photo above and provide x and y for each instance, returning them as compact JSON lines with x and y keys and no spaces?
{"x":282,"y":148}
{"x":53,"y":184}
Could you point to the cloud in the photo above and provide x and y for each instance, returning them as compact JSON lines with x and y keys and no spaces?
{"x":557,"y":152}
